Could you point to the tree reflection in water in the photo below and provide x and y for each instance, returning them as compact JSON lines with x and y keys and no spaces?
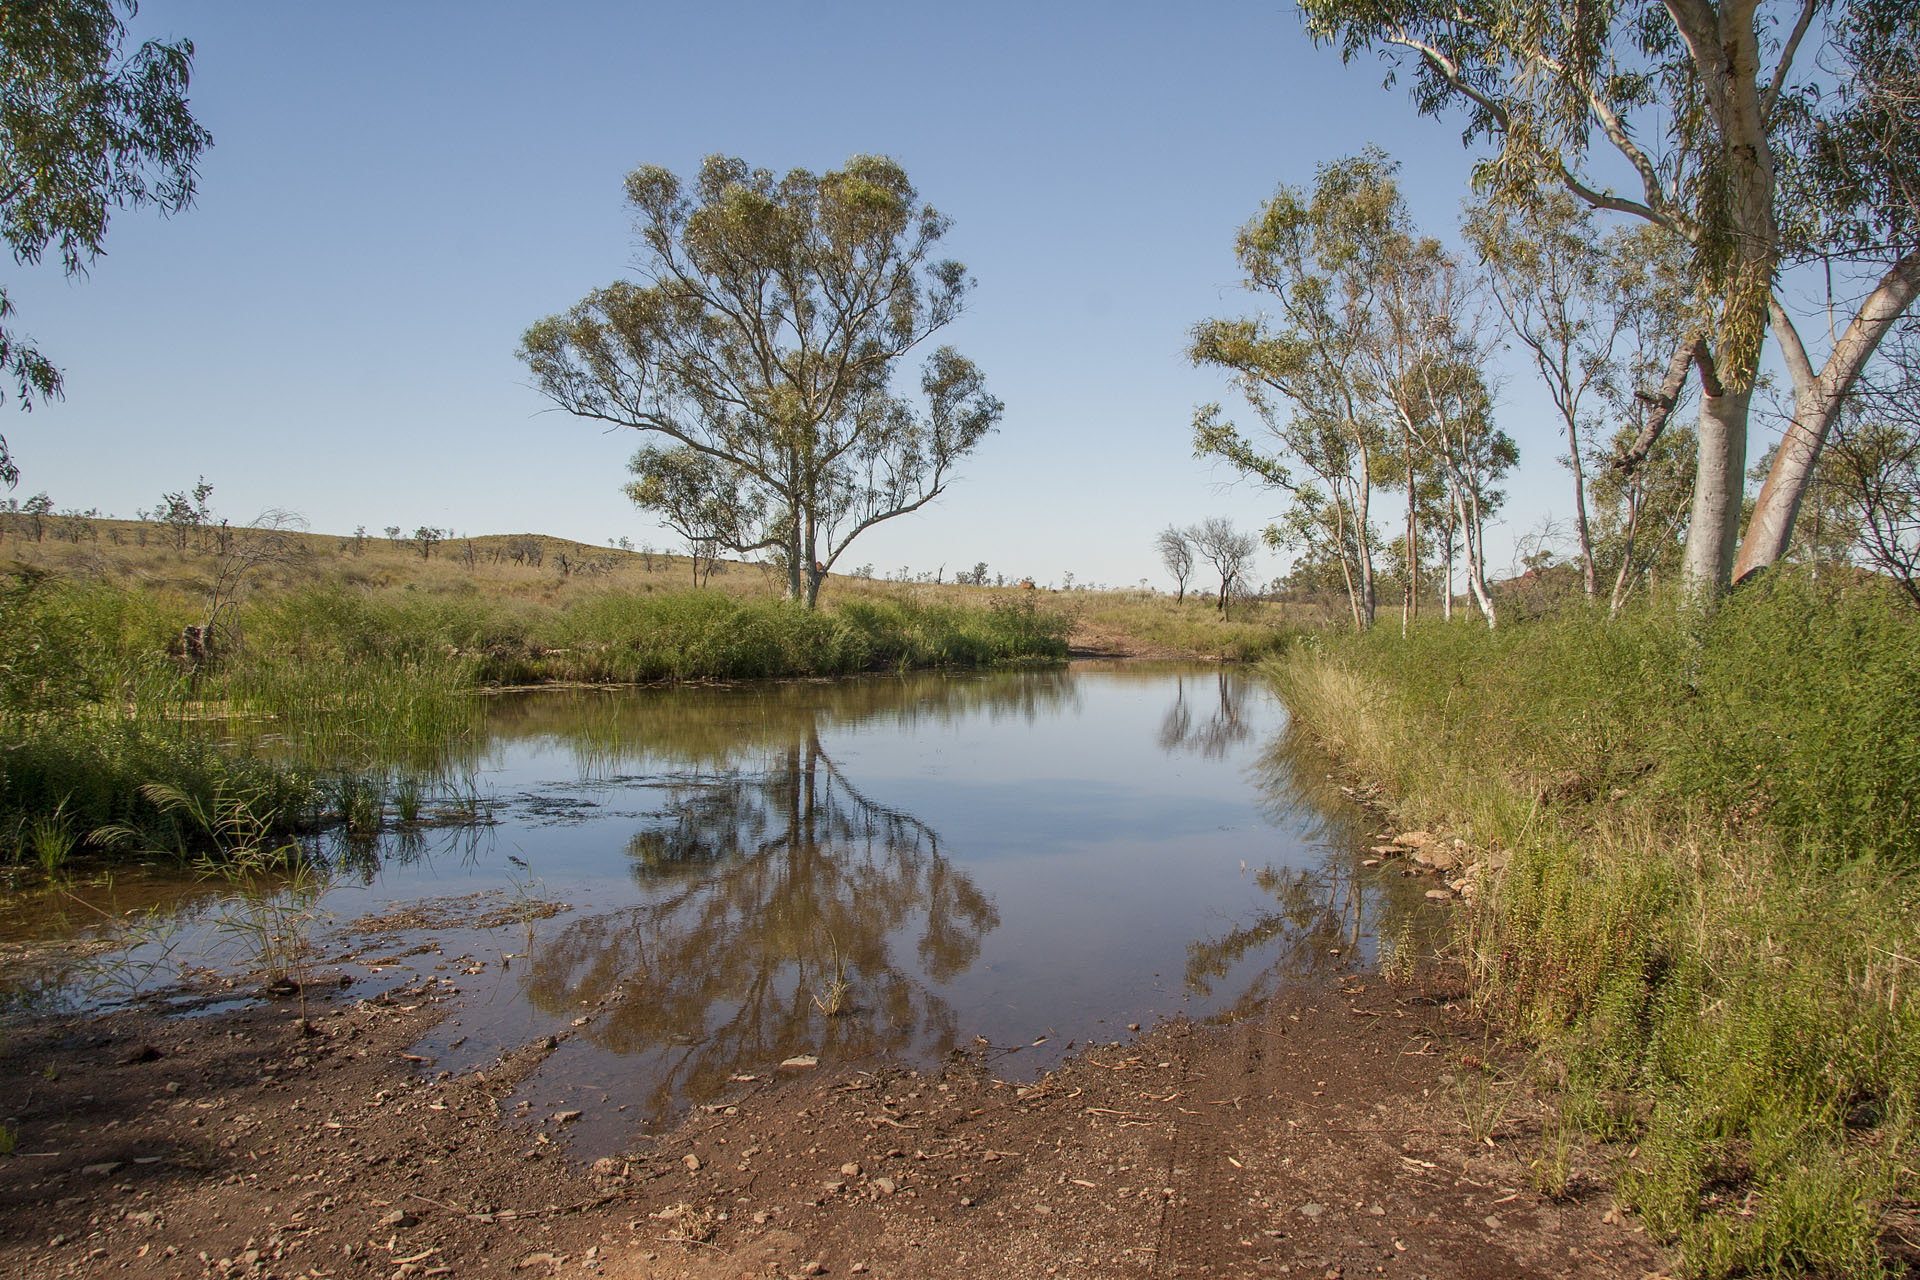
{"x":1224,"y":728}
{"x":1323,"y":915}
{"x":758,"y":874}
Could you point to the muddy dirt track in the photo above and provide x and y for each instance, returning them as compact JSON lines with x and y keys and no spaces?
{"x":1327,"y":1136}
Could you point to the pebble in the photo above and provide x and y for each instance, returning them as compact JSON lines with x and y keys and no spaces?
{"x":885,"y":1186}
{"x":850,"y":1169}
{"x":1439,"y":895}
{"x":398,"y":1218}
{"x":565,"y":1117}
{"x":691,"y":1161}
{"x":812,"y":1268}
{"x":1311,"y":1210}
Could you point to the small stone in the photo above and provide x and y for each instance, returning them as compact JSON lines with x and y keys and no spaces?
{"x":850,"y":1169}
{"x":101,"y":1170}
{"x":857,"y":1267}
{"x":1311,"y":1210}
{"x":691,"y":1161}
{"x":885,"y":1186}
{"x":812,"y":1268}
{"x":1133,"y":1026}
{"x":606,"y":1166}
{"x":1439,"y":895}
{"x":1370,"y":862}
{"x":801,"y":1060}
{"x":759,"y":1217}
{"x":834,"y":1186}
{"x":1493,"y":1222}
{"x":398,"y":1218}
{"x":565,"y":1117}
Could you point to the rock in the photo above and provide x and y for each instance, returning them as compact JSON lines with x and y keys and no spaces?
{"x":565,"y":1117}
{"x":857,"y":1267}
{"x":398,"y":1218}
{"x":543,"y":1259}
{"x":1311,"y":1210}
{"x":1387,"y":851}
{"x":1414,"y":839}
{"x":885,"y":1186}
{"x":104,"y":1169}
{"x":606,"y":1166}
{"x":691,"y":1161}
{"x":812,"y":1268}
{"x":1493,"y":1223}
{"x":1438,"y":859}
{"x":1439,"y":895}
{"x":801,"y":1060}
{"x":834,"y":1186}
{"x":1370,"y":862}
{"x":850,"y":1169}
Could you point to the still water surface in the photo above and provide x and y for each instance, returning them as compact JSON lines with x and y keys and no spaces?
{"x":1035,"y":858}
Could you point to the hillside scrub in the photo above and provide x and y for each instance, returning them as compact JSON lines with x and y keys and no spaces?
{"x":323,"y":703}
{"x":1706,"y":927}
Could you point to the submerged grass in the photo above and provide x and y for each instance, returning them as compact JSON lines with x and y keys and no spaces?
{"x":331,"y":705}
{"x":1709,"y":916}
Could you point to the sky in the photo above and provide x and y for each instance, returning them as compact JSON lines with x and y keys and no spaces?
{"x":396,"y":192}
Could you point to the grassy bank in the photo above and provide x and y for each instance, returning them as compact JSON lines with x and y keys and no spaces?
{"x":328,"y":705}
{"x":1709,"y":924}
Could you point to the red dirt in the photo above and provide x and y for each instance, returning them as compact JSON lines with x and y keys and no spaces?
{"x":1323,"y":1137}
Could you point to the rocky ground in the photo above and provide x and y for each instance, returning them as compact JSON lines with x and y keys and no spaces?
{"x":1356,"y":1129}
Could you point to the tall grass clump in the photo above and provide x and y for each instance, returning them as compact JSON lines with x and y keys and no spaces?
{"x":1709,"y":911}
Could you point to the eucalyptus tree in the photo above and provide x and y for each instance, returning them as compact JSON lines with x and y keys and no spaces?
{"x":763,"y":337}
{"x":1229,"y":550}
{"x":85,"y":129}
{"x":1681,"y":94}
{"x":1316,"y":258}
{"x":1874,"y":460}
{"x":1546,"y":266}
{"x":1176,"y":553}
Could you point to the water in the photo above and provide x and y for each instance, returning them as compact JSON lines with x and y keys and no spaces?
{"x":1013,"y":863}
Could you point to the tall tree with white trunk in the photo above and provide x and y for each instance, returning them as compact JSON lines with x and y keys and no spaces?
{"x":1711,"y":109}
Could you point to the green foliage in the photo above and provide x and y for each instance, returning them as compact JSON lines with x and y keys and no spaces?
{"x":779,"y":425}
{"x":1707,"y":916}
{"x":85,"y":131}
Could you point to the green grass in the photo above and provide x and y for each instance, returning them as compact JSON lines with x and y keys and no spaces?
{"x":1709,"y":915}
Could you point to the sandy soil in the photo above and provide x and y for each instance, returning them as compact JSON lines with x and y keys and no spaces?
{"x":1326,"y":1137}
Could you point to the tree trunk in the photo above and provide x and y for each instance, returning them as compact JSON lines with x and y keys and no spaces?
{"x":1817,"y":402}
{"x":1719,"y":479}
{"x":1589,"y":576}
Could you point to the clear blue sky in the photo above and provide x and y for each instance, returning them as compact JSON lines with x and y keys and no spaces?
{"x":397,"y":191}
